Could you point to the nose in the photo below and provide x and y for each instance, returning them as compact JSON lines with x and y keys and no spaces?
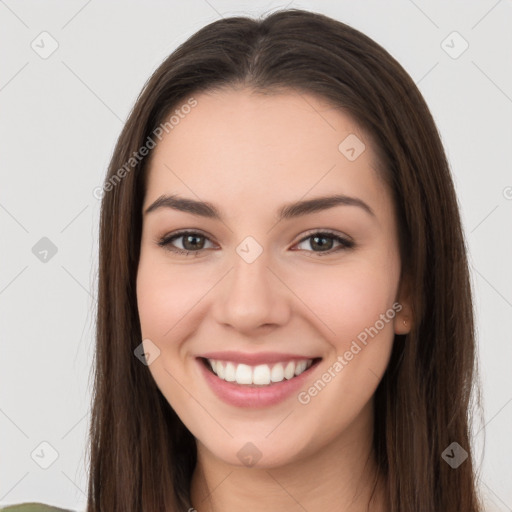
{"x":252,"y":297}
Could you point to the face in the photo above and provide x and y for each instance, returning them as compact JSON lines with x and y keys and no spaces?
{"x":270,"y":325}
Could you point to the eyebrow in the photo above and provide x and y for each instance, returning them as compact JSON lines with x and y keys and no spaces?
{"x":286,"y":212}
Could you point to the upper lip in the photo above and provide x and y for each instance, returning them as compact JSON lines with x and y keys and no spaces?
{"x":252,"y":359}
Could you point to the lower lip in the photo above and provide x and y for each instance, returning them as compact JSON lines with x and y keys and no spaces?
{"x":253,"y":397}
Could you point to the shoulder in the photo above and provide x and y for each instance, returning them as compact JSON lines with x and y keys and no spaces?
{"x":32,"y":507}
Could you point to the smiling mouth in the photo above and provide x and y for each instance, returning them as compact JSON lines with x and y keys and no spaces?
{"x":261,"y":374}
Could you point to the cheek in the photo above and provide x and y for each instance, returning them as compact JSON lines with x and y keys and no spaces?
{"x":163,"y":300}
{"x":348,"y":299}
{"x":158,"y":306}
{"x":165,"y":295}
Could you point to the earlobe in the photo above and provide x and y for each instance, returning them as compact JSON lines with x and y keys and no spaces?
{"x":402,"y":324}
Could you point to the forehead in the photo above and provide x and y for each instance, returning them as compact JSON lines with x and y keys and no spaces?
{"x":238,"y":147}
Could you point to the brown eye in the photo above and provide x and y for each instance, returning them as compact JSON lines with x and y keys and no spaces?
{"x":322,"y":242}
{"x":191,"y":241}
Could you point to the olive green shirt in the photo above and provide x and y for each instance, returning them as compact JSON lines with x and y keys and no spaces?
{"x":33,"y":507}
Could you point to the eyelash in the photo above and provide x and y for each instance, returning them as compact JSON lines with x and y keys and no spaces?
{"x":345,"y":243}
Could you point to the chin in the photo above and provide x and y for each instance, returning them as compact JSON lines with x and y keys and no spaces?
{"x":261,"y":450}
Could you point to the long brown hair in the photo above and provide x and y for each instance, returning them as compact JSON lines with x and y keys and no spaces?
{"x":141,"y":455}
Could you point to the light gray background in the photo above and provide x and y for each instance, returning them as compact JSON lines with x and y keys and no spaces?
{"x":59,"y":120}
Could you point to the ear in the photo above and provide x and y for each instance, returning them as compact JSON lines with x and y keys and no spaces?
{"x":403,"y":319}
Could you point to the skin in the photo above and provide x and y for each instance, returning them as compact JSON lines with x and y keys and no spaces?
{"x":249,"y":154}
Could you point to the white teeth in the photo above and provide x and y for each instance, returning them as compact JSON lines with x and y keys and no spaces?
{"x":229,"y":372}
{"x":289,"y":371}
{"x":300,"y":367}
{"x":218,"y":368}
{"x":277,"y":374}
{"x":243,"y":374}
{"x":261,"y":375}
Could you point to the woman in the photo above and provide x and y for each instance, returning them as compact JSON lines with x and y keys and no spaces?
{"x":284,"y":314}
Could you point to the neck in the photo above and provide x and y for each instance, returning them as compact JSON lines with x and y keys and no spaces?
{"x":338,"y":477}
